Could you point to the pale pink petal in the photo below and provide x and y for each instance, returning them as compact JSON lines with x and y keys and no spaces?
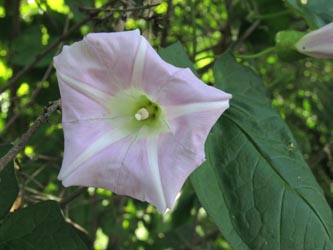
{"x":156,"y":72}
{"x":116,"y":53}
{"x":128,"y":167}
{"x":78,"y":104}
{"x":102,"y":60}
{"x":79,"y":108}
{"x":185,"y":88}
{"x":98,"y":145}
{"x":85,"y":138}
{"x":318,"y":43}
{"x":183,"y":151}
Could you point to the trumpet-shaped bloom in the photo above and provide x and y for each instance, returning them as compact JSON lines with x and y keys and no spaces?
{"x":133,"y":123}
{"x":317,"y":43}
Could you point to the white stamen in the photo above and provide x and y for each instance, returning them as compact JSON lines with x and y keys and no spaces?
{"x":142,"y":114}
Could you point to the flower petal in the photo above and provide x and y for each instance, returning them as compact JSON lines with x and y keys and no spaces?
{"x":81,"y":148}
{"x":85,"y":89}
{"x":116,"y":53}
{"x":185,"y":88}
{"x":109,"y":169}
{"x":153,"y":163}
{"x":79,"y":105}
{"x":182,"y":152}
{"x":127,"y":167}
{"x":156,"y":72}
{"x":103,"y":60}
{"x":179,"y":110}
{"x":139,"y":63}
{"x":318,"y":43}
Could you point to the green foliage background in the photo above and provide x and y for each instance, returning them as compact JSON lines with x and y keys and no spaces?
{"x":32,"y":32}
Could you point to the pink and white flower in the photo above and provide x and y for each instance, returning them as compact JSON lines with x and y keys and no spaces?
{"x":133,"y":123}
{"x":317,"y":43}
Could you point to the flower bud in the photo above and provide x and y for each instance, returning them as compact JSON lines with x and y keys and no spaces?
{"x":317,"y":43}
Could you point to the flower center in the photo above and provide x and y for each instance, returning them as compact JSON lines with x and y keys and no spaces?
{"x":139,"y":112}
{"x":148,"y":111}
{"x":142,"y":114}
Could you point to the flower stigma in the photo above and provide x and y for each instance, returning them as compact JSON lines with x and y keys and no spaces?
{"x":142,"y":114}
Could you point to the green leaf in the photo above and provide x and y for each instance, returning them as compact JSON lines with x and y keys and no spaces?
{"x":211,"y":196}
{"x":8,"y":184}
{"x":317,"y":13}
{"x":40,"y":226}
{"x":176,"y":55}
{"x":260,"y":192}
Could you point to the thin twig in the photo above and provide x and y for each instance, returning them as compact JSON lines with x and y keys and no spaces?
{"x":22,"y":142}
{"x":246,"y":34}
{"x":72,"y":196}
{"x":21,"y":109}
{"x":166,"y":24}
{"x":144,"y":7}
{"x":111,"y":11}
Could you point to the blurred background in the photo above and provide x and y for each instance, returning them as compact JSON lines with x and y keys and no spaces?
{"x":33,"y":31}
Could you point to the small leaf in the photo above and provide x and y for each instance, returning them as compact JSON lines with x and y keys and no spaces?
{"x":255,"y":183}
{"x":8,"y":184}
{"x":40,"y":226}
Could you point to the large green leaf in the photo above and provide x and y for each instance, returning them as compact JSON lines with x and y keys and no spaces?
{"x":8,"y":184}
{"x":317,"y":12}
{"x":255,"y":183}
{"x":40,"y":226}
